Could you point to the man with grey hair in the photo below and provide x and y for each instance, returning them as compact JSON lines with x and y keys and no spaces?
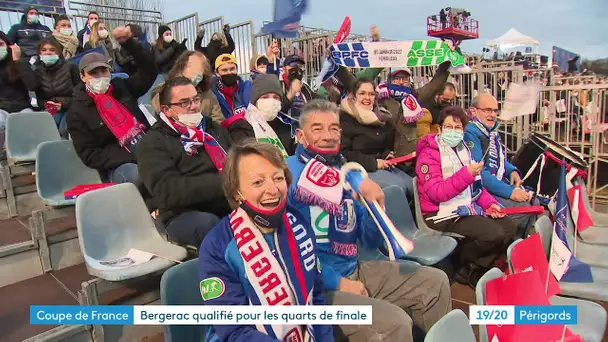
{"x":501,"y":178}
{"x":340,"y":222}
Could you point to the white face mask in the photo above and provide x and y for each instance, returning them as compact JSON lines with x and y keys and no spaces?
{"x":91,"y":22}
{"x":99,"y":85}
{"x":190,"y":120}
{"x":66,"y":31}
{"x":269,"y":108}
{"x":103,"y":34}
{"x":168,"y":39}
{"x":262,"y":69}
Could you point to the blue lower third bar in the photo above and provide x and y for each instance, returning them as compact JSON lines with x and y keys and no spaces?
{"x":549,"y":314}
{"x":75,"y":314}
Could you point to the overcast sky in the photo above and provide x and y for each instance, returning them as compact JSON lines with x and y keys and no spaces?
{"x":575,"y":25}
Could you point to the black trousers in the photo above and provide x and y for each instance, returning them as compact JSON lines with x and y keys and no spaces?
{"x":485,"y":238}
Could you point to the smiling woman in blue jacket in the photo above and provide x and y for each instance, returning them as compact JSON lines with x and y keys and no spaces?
{"x":264,"y":252}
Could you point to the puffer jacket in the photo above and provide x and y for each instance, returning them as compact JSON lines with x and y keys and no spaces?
{"x":433,"y":189}
{"x":13,"y":95}
{"x":27,"y":35}
{"x":51,"y":83}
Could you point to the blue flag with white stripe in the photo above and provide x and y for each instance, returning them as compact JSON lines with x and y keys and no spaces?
{"x":578,"y":271}
{"x":286,"y":21}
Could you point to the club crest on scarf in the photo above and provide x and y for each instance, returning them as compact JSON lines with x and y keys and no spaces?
{"x":346,"y":218}
{"x":322,"y":175}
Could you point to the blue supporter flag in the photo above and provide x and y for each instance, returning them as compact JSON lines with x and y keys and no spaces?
{"x":578,"y":271}
{"x":286,"y":21}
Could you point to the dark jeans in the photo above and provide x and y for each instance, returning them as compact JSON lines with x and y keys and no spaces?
{"x":485,"y":238}
{"x":125,"y":173}
{"x":189,"y":228}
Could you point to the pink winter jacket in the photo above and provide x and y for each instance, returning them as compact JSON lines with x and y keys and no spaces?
{"x":432,"y":188}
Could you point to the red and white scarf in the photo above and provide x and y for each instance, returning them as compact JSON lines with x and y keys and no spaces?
{"x":119,"y":120}
{"x":290,"y":288}
{"x":319,"y":185}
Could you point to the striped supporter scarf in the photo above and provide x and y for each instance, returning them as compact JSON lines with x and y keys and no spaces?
{"x":286,"y":267}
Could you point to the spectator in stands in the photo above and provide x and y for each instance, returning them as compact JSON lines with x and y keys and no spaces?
{"x":501,"y":178}
{"x":85,"y":33}
{"x":297,"y":93}
{"x":65,"y":36}
{"x":221,"y":43}
{"x":443,"y":98}
{"x":124,"y":59}
{"x":100,"y":38}
{"x":446,"y":174}
{"x":104,"y":119}
{"x":167,"y":49}
{"x":368,"y":136}
{"x":264,"y":120}
{"x":261,"y":240}
{"x":53,"y":81}
{"x":390,"y":287}
{"x":13,"y":94}
{"x":28,"y":32}
{"x":232,"y":92}
{"x":259,"y":65}
{"x":180,"y":161}
{"x":195,"y":66}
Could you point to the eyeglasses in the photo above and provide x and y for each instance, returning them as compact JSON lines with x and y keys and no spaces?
{"x":185,"y":103}
{"x":489,"y":110}
{"x":452,"y":128}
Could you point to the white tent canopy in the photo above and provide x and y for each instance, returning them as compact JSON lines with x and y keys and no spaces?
{"x":512,"y":38}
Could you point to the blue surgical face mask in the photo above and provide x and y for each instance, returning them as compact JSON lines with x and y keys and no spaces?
{"x":197,"y":78}
{"x":49,"y":59}
{"x":3,"y":52}
{"x":33,"y":19}
{"x":452,"y":138}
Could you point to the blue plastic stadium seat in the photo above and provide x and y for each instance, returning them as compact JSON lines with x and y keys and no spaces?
{"x":180,"y":286}
{"x":428,"y":249}
{"x":25,"y":131}
{"x":58,"y":169}
{"x":591,"y":316}
{"x":480,"y":295}
{"x":420,"y":219}
{"x":593,"y":291}
{"x":452,"y":327}
{"x":115,"y":219}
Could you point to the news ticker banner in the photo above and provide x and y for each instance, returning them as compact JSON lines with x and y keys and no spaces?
{"x":301,"y":315}
{"x":200,"y":315}
{"x":520,"y":315}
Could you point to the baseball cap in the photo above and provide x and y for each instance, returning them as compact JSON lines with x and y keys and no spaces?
{"x":406,"y":70}
{"x":293,"y":59}
{"x":93,"y":60}
{"x":224,"y":59}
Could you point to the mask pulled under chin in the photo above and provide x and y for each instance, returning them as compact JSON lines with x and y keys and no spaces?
{"x":229,"y":80}
{"x":190,"y":120}
{"x":332,"y":158}
{"x":265,"y":218}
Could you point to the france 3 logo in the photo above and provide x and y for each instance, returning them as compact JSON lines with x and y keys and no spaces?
{"x":351,"y":55}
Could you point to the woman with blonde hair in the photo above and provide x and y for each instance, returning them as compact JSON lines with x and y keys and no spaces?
{"x":100,"y":37}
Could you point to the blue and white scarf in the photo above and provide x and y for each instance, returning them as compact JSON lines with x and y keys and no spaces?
{"x":412,"y":111}
{"x":496,"y":156}
{"x":294,"y":272}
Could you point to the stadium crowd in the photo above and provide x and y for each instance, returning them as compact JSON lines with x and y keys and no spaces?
{"x":226,"y":166}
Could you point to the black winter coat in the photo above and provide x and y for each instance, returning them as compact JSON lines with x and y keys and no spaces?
{"x":214,"y":49}
{"x":51,"y":83}
{"x":364,"y":144}
{"x":241,"y":130}
{"x":94,"y":142}
{"x":166,"y":57}
{"x":13,"y":95}
{"x":177,"y":181}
